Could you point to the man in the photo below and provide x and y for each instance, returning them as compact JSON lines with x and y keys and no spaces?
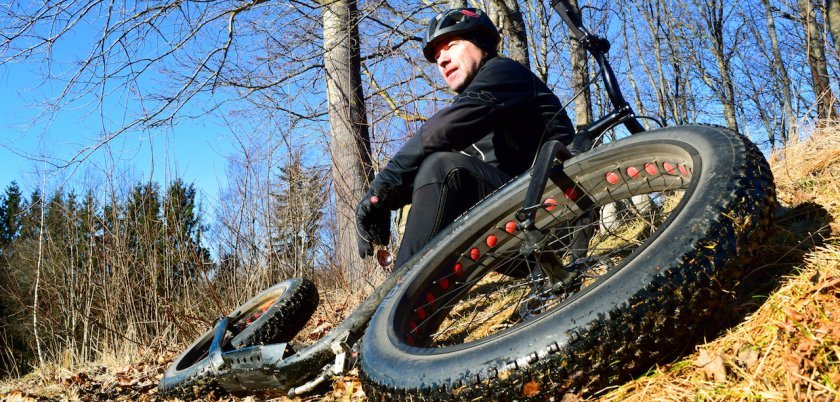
{"x":489,"y":134}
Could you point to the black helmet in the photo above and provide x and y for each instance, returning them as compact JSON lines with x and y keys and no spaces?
{"x":471,"y":23}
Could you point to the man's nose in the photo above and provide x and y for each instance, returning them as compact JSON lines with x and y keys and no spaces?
{"x":443,"y":58}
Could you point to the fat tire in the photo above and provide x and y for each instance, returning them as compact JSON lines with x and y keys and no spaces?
{"x":642,"y":310}
{"x":294,"y":302}
{"x":280,"y":373}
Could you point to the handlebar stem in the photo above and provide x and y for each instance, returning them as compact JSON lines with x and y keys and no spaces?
{"x":598,"y":48}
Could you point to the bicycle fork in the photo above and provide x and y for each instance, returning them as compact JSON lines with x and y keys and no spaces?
{"x":548,"y":163}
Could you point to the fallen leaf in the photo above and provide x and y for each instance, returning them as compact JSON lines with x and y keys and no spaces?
{"x":571,"y":398}
{"x":17,"y":396}
{"x":797,"y":316}
{"x":80,"y":379}
{"x":711,"y":365}
{"x":531,"y":388}
{"x":748,"y":356}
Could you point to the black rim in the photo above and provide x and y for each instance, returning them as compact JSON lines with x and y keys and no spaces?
{"x":490,"y":283}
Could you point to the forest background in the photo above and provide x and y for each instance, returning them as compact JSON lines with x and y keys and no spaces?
{"x":315,"y":97}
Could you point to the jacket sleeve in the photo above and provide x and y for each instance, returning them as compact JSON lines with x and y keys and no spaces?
{"x":482,"y":106}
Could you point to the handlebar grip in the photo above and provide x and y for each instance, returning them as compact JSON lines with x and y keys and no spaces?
{"x":571,"y":17}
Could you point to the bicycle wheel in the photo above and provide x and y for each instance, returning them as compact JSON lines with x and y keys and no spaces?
{"x":275,"y":315}
{"x":280,"y":372}
{"x":598,"y":305}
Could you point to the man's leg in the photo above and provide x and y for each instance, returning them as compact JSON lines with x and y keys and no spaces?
{"x":447,"y":184}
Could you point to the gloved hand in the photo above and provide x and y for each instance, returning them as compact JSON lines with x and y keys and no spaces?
{"x":373,"y":221}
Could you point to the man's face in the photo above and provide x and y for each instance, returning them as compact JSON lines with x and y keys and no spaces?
{"x":458,"y":61}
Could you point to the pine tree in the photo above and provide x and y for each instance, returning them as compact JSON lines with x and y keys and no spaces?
{"x":298,"y":210}
{"x":15,"y":353}
{"x":182,"y":232}
{"x":11,"y":213}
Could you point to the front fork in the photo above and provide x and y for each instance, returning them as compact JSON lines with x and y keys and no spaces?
{"x":550,"y":158}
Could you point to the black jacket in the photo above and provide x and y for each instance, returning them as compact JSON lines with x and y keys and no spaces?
{"x":501,"y":117}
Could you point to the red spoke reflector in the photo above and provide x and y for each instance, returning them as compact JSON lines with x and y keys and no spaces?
{"x":412,"y":325}
{"x":421,"y":313}
{"x":410,"y":340}
{"x":669,"y":168}
{"x":550,"y":204}
{"x":458,"y":269}
{"x":475,"y":253}
{"x":683,"y":170}
{"x":651,"y":169}
{"x":632,"y":172}
{"x":443,"y":283}
{"x":510,"y":227}
{"x":571,"y":193}
{"x":430,"y":297}
{"x":612,"y":177}
{"x":491,"y":241}
{"x":384,"y":258}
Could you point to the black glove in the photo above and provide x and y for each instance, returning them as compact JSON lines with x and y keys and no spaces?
{"x":373,"y":222}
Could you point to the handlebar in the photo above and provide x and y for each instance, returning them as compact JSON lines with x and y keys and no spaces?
{"x":598,"y":47}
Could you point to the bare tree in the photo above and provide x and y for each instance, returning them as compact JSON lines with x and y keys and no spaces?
{"x":349,"y":137}
{"x":781,"y":70}
{"x":508,"y":18}
{"x":651,"y":12}
{"x":769,"y":92}
{"x":832,"y":16}
{"x":816,"y":59}
{"x":537,"y":20}
{"x":711,"y":30}
{"x":580,"y":79}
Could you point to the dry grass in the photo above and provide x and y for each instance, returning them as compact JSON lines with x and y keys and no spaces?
{"x":787,"y":350}
{"x":808,"y":172}
{"x":492,"y":308}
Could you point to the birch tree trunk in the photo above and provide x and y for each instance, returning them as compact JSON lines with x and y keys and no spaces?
{"x":832,"y":16}
{"x":512,"y":27}
{"x":781,"y":70}
{"x":580,"y":79}
{"x":816,"y":60}
{"x":349,"y":137}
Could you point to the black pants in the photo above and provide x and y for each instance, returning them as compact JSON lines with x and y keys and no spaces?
{"x":447,"y":184}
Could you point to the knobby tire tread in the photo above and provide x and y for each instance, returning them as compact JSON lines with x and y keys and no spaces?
{"x":283,"y":320}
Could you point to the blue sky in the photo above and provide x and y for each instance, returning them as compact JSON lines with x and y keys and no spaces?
{"x":194,"y":150}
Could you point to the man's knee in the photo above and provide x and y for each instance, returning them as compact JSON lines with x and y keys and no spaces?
{"x":437,"y":166}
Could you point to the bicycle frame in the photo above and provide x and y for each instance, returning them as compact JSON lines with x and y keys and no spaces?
{"x":598,"y":47}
